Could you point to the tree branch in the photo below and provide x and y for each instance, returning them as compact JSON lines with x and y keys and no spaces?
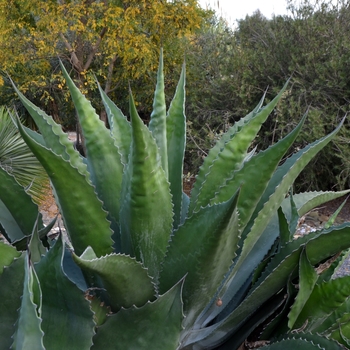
{"x":74,"y":58}
{"x":95,"y":48}
{"x":109,"y":74}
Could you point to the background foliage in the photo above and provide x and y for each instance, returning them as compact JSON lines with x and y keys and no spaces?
{"x":115,"y":41}
{"x":310,"y":45}
{"x":228,"y":68}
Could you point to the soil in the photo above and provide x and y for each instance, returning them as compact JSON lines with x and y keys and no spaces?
{"x":48,"y":208}
{"x":323,"y":213}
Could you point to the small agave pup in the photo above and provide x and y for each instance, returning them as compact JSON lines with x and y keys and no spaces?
{"x":150,"y":267}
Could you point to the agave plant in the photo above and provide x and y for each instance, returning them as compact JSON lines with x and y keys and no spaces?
{"x":144,"y":265}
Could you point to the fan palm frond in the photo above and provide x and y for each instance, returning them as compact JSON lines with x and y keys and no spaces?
{"x":18,"y":160}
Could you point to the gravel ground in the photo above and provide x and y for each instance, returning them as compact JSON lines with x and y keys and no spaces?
{"x":344,"y":270}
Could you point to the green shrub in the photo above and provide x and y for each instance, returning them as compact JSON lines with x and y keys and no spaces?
{"x":231,"y":68}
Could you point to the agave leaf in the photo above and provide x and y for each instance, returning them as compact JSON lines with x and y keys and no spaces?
{"x":73,"y":271}
{"x":345,"y":339}
{"x":278,"y":325}
{"x":342,"y":333}
{"x":331,"y":324}
{"x":266,"y":311}
{"x":22,"y":244}
{"x":261,"y":267}
{"x":176,"y":144}
{"x":18,"y":212}
{"x":282,"y":180}
{"x":92,"y":278}
{"x":233,"y":152}
{"x":319,"y":246}
{"x":28,"y":334}
{"x":46,"y":229}
{"x":261,"y":166}
{"x":125,"y":279}
{"x":307,"y":281}
{"x":325,"y":299}
{"x":36,"y":248}
{"x":270,"y":201}
{"x":101,"y":153}
{"x":321,"y":341}
{"x":7,"y":254}
{"x":8,"y":223}
{"x":156,"y":324}
{"x":146,"y":214}
{"x":81,"y":210}
{"x":294,"y":215}
{"x":11,"y":281}
{"x":273,"y":283}
{"x":327,"y":242}
{"x":38,"y":137}
{"x":304,"y":202}
{"x":285,"y":234}
{"x":207,"y":241}
{"x":120,"y":127}
{"x":304,"y":341}
{"x":216,"y":150}
{"x":284,"y":176}
{"x":52,"y":135}
{"x":100,"y":311}
{"x":332,"y":266}
{"x":157,"y":124}
{"x":67,"y":318}
{"x":331,"y":220}
{"x":309,"y":200}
